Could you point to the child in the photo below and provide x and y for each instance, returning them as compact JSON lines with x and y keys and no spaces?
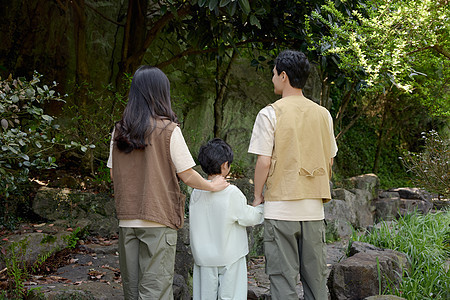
{"x":147,"y":154}
{"x":217,"y":230}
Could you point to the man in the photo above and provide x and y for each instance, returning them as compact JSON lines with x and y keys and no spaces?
{"x":295,"y":144}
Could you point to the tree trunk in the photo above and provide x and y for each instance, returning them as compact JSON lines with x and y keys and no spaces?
{"x":222,"y":85}
{"x":381,"y":138}
{"x":137,"y":39}
{"x":133,"y":38}
{"x":82,"y":78}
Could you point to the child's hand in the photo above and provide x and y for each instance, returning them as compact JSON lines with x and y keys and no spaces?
{"x":218,"y":183}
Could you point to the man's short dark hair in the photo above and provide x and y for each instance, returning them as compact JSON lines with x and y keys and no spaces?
{"x":212,"y":155}
{"x":296,"y":66}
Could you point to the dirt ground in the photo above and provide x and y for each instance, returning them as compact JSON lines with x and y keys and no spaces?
{"x":92,"y":272}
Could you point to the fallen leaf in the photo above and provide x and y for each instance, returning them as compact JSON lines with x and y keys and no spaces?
{"x":69,"y":229}
{"x":39,"y":225}
{"x":51,"y":225}
{"x":39,"y":231}
{"x":5,"y":239}
{"x":77,"y":282}
{"x":73,"y":260}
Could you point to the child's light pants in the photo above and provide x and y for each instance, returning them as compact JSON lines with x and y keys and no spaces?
{"x":147,"y":258}
{"x":229,"y":282}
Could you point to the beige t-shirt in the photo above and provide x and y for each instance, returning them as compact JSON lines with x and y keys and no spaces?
{"x":262,"y":143}
{"x":181,"y":158}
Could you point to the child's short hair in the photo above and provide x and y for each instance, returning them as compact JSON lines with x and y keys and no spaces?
{"x":212,"y":155}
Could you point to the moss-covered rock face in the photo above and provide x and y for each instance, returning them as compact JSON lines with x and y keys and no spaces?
{"x":247,"y":93}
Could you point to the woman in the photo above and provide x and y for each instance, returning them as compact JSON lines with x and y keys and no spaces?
{"x":148,"y":156}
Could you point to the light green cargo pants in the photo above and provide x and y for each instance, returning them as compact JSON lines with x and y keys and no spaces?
{"x":293,"y":247}
{"x":147,"y":258}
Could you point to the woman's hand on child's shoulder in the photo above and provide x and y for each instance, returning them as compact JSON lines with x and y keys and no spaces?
{"x":219,"y":183}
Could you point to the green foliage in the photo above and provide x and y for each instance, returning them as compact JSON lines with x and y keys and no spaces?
{"x":431,"y":167}
{"x":73,"y":238}
{"x":17,"y":269}
{"x":425,"y":240}
{"x":380,"y":37}
{"x":27,"y":137}
{"x":356,"y":156}
{"x":27,"y":133}
{"x":91,"y":125}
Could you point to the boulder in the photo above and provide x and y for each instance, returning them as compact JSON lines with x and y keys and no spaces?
{"x":338,"y":218}
{"x":387,"y":206}
{"x":30,"y":247}
{"x":412,"y":193}
{"x":349,"y":209}
{"x":184,"y":261}
{"x":367,"y":182}
{"x":96,"y":212}
{"x":357,"y":277}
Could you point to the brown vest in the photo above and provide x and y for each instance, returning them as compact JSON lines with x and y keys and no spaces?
{"x":301,"y":162}
{"x":145,"y":181}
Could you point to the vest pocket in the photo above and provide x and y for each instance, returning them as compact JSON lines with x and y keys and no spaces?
{"x":315,"y":172}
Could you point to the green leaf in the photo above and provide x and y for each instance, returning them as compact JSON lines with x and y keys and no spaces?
{"x":83,"y":148}
{"x":38,"y":144}
{"x":245,"y":6}
{"x":201,"y":3}
{"x":213,"y":4}
{"x":224,"y":3}
{"x":254,"y":21}
{"x":47,"y":118}
{"x":15,"y":98}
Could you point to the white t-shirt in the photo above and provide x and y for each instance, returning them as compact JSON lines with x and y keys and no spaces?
{"x":217,"y":222}
{"x":181,"y":158}
{"x":262,"y":143}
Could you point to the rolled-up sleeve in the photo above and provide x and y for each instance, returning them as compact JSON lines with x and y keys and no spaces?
{"x":263,"y":134}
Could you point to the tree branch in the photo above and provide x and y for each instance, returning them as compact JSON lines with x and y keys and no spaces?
{"x":438,"y":48}
{"x":103,"y":16}
{"x":193,"y":51}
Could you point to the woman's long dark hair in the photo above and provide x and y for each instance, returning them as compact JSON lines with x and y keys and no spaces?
{"x":148,"y":100}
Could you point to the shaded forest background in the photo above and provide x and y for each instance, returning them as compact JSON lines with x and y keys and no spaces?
{"x":382,"y":85}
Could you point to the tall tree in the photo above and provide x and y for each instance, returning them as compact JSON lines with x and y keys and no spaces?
{"x":390,"y":47}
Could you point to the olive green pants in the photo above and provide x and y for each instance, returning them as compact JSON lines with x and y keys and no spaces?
{"x":293,"y":247}
{"x":147,"y":258}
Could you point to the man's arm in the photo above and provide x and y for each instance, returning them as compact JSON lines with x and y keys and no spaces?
{"x":196,"y":181}
{"x":261,"y":173}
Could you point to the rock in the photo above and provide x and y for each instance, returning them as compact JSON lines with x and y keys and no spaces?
{"x":387,"y":207}
{"x":408,"y":206}
{"x":367,"y":182}
{"x":94,"y":211}
{"x":412,"y":193}
{"x":355,"y":208}
{"x":338,"y":218}
{"x":29,"y":247}
{"x":184,"y":261}
{"x":180,"y":288}
{"x":357,"y":276}
{"x":255,"y":240}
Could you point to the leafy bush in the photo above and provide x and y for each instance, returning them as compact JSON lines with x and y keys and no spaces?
{"x":28,"y":137}
{"x":431,"y":167}
{"x":425,"y":240}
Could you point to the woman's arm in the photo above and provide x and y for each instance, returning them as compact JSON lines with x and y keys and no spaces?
{"x":196,"y":181}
